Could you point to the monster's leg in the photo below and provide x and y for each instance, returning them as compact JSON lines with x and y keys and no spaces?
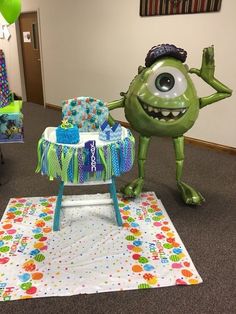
{"x":134,"y":188}
{"x":189,"y":195}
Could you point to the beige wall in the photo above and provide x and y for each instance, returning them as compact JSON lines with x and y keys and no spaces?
{"x":94,"y":48}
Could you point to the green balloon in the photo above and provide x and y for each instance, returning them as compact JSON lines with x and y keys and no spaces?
{"x":162,"y":101}
{"x":10,"y":10}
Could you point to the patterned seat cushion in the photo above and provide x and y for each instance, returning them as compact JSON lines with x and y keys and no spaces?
{"x":86,"y":112}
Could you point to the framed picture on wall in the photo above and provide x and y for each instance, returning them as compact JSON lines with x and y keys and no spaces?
{"x":168,"y":7}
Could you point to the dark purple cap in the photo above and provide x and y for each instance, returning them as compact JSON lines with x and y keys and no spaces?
{"x":165,"y":50}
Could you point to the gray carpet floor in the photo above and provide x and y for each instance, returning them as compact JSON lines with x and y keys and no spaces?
{"x":208,"y":231}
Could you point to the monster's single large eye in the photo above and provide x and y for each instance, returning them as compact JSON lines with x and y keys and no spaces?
{"x":167,"y":82}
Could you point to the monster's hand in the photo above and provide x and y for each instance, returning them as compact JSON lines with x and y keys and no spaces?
{"x":114,"y":105}
{"x":207,"y":73}
{"x":111,"y":120}
{"x":207,"y":70}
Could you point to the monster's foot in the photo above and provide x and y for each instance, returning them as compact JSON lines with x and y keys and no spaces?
{"x":189,"y":195}
{"x":133,"y":188}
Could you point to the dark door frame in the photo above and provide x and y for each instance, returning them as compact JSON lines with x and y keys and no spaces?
{"x":21,"y":64}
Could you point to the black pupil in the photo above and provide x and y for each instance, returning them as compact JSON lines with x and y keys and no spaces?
{"x":165,"y":82}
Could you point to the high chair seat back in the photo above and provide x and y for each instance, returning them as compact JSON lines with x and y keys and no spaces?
{"x":86,"y":112}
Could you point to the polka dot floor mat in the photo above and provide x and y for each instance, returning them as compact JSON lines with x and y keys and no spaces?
{"x":90,"y":254}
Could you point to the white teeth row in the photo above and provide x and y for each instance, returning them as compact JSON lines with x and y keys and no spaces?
{"x":150,"y":109}
{"x":163,"y":120}
{"x":164,"y":112}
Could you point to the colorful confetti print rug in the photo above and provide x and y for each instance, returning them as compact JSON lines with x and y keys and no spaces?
{"x":90,"y":254}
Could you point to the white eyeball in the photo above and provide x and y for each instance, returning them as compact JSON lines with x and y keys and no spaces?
{"x":167,"y":82}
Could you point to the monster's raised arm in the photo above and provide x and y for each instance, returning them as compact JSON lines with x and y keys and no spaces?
{"x":114,"y":105}
{"x":207,"y":72}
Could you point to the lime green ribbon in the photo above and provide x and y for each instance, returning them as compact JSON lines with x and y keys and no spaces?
{"x":75,"y":170}
{"x":65,"y":161}
{"x":54,"y":168}
{"x":103,"y":159}
{"x":14,"y":107}
{"x":39,"y":156}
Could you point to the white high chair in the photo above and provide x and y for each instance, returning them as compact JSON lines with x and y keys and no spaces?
{"x":88,"y":114}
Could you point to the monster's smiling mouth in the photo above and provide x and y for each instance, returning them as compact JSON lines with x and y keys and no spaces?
{"x":162,"y":114}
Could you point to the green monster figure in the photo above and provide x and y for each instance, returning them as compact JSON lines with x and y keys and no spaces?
{"x":162,"y":101}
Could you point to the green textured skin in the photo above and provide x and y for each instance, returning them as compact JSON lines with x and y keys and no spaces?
{"x":139,"y":93}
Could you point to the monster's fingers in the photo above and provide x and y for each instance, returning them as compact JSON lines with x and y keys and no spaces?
{"x":111,"y":120}
{"x":208,"y":63}
{"x":208,"y":56}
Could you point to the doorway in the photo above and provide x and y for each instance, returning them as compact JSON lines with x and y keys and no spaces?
{"x":30,"y":46}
